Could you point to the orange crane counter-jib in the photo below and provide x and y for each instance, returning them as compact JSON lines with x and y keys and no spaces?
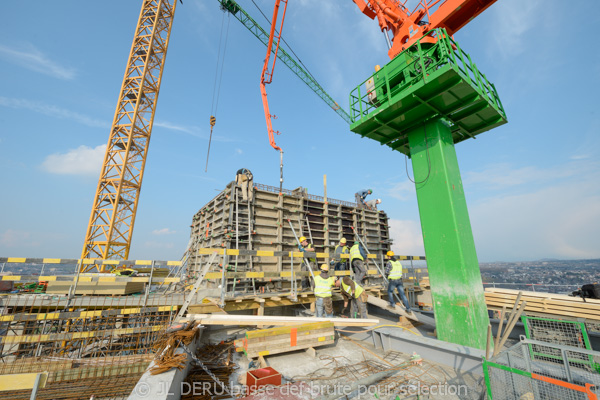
{"x":407,"y":27}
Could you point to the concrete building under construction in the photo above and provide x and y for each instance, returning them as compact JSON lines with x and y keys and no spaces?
{"x":273,"y":221}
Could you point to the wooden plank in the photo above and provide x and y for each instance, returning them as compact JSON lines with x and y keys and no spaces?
{"x":287,"y":329}
{"x":385,"y":305}
{"x":315,"y":341}
{"x":215,"y":319}
{"x":286,"y":340}
{"x":545,"y":301}
{"x":543,"y":295}
{"x":279,"y":351}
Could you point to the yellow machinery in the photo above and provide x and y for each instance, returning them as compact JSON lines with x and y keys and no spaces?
{"x":113,"y":214}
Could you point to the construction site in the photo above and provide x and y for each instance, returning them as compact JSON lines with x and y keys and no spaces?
{"x":286,"y":294}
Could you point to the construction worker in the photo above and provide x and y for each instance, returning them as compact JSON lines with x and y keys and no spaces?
{"x":341,"y":248}
{"x":244,"y":178}
{"x":306,"y":247}
{"x":353,"y":292}
{"x":360,"y":197}
{"x":323,"y":285}
{"x":393,"y":272}
{"x":372,"y":204}
{"x":357,"y":258}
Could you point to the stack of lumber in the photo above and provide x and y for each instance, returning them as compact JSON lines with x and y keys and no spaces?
{"x":544,"y":303}
{"x":264,"y":342}
{"x":97,"y":288}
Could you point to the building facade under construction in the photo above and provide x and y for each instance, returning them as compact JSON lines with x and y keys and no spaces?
{"x":272,"y":222}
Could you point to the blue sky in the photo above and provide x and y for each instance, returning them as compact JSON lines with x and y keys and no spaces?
{"x":532,"y":185}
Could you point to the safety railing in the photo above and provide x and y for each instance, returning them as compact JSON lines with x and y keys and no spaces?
{"x":520,"y":373}
{"x":416,"y":64}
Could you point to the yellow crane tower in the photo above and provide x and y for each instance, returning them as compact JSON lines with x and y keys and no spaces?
{"x":113,"y":214}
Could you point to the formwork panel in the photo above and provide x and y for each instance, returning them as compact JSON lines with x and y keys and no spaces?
{"x":227,"y":222}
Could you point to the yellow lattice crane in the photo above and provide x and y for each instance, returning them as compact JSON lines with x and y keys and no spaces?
{"x":113,"y":214}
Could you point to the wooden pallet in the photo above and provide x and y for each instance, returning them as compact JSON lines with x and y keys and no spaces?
{"x":544,"y":303}
{"x":278,"y":340}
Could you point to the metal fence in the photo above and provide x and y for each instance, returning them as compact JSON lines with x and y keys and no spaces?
{"x":523,"y":372}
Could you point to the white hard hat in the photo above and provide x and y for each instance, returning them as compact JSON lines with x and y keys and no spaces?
{"x":379,"y":200}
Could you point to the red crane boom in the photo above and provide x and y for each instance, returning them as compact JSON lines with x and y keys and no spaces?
{"x":410,"y":26}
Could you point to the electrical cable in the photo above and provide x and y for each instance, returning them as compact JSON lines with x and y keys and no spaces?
{"x":428,"y":161}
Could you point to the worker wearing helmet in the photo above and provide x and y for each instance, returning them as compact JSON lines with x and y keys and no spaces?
{"x":323,"y":285}
{"x":306,"y":247}
{"x":341,"y":264}
{"x":353,"y":292}
{"x":357,"y":260}
{"x":393,"y":272}
{"x":244,"y":178}
{"x":372,"y":204}
{"x":361,"y":196}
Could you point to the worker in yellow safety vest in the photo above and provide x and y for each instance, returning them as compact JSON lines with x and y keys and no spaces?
{"x":393,"y":271}
{"x":357,"y":258}
{"x":306,"y":247}
{"x":323,"y":285}
{"x":353,"y":292}
{"x":341,"y":248}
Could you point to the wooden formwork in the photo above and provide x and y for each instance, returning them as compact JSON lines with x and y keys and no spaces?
{"x":226,"y":222}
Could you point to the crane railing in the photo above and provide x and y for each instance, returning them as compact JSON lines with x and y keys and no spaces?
{"x":238,"y":12}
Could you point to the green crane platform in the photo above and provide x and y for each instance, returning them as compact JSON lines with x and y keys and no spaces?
{"x":425,"y":81}
{"x":421,"y":103}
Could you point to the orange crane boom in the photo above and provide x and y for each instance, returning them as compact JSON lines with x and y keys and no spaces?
{"x":266,"y":77}
{"x":409,"y":26}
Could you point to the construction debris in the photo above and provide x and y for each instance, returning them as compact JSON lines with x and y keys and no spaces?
{"x":165,"y":348}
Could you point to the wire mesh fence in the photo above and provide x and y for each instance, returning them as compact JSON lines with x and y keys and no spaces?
{"x":533,"y":369}
{"x":568,"y":333}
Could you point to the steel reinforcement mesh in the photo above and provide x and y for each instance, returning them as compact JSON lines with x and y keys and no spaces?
{"x":99,"y":345}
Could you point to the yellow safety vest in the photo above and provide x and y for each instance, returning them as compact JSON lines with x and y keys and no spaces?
{"x":313,"y":260}
{"x":344,"y":251}
{"x":323,"y":286}
{"x":355,"y":253}
{"x":348,"y":289}
{"x":396,"y":272}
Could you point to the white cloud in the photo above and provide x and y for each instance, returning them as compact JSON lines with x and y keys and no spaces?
{"x":83,"y":160}
{"x":13,"y":238}
{"x":163,"y":231}
{"x":408,"y":240}
{"x":502,"y":176}
{"x":52,"y":111}
{"x":513,"y":19}
{"x":238,"y":151}
{"x":404,"y":191}
{"x":33,"y":59}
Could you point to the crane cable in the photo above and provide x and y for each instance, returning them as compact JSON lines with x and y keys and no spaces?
{"x":218,"y":79}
